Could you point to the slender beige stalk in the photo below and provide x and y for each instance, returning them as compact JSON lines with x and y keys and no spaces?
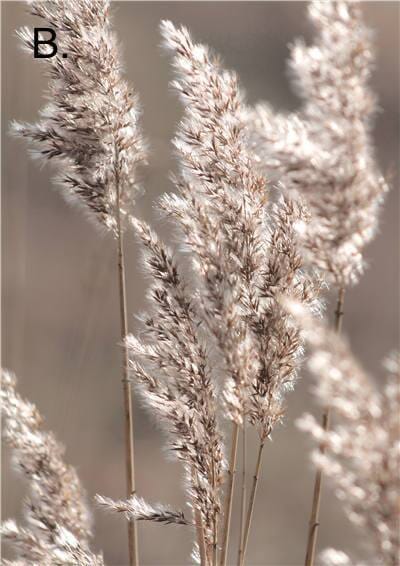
{"x":201,"y":540}
{"x":215,"y":545}
{"x":316,"y":503}
{"x":339,"y":311}
{"x":252,"y":500}
{"x":215,"y":523}
{"x":229,"y":494}
{"x":243,"y":494}
{"x":127,"y":391}
{"x":200,"y":537}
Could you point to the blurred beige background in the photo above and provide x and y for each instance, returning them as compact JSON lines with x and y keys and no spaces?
{"x":60,"y":322}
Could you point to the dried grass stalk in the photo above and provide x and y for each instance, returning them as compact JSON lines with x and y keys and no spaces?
{"x":90,"y":129}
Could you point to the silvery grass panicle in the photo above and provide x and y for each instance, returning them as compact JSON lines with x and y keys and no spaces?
{"x":58,"y":523}
{"x":220,"y":210}
{"x":279,"y":341}
{"x":361,"y":453}
{"x":325,"y":150}
{"x":243,"y":249}
{"x":170,"y":363}
{"x":221,"y":203}
{"x":90,"y":125}
{"x":224,"y":216}
{"x":137,"y":508}
{"x":170,"y":367}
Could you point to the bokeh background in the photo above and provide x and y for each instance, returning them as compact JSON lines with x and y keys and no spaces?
{"x":59,"y":293}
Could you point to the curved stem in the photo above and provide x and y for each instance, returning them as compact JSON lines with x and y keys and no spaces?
{"x":229,"y":494}
{"x":316,"y":502}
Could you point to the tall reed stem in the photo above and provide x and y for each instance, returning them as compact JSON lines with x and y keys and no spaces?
{"x":316,"y":503}
{"x":243,"y":494}
{"x":127,"y":391}
{"x":229,"y":494}
{"x":215,"y":522}
{"x":200,"y":540}
{"x":199,"y":528}
{"x":252,"y":500}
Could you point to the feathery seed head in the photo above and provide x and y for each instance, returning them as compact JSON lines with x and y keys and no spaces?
{"x":90,"y":126}
{"x":137,"y":508}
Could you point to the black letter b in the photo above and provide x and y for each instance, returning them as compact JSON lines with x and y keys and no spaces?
{"x":37,"y":41}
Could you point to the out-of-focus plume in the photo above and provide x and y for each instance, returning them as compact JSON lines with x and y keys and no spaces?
{"x":58,"y":525}
{"x":325,"y":150}
{"x":362,"y":454}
